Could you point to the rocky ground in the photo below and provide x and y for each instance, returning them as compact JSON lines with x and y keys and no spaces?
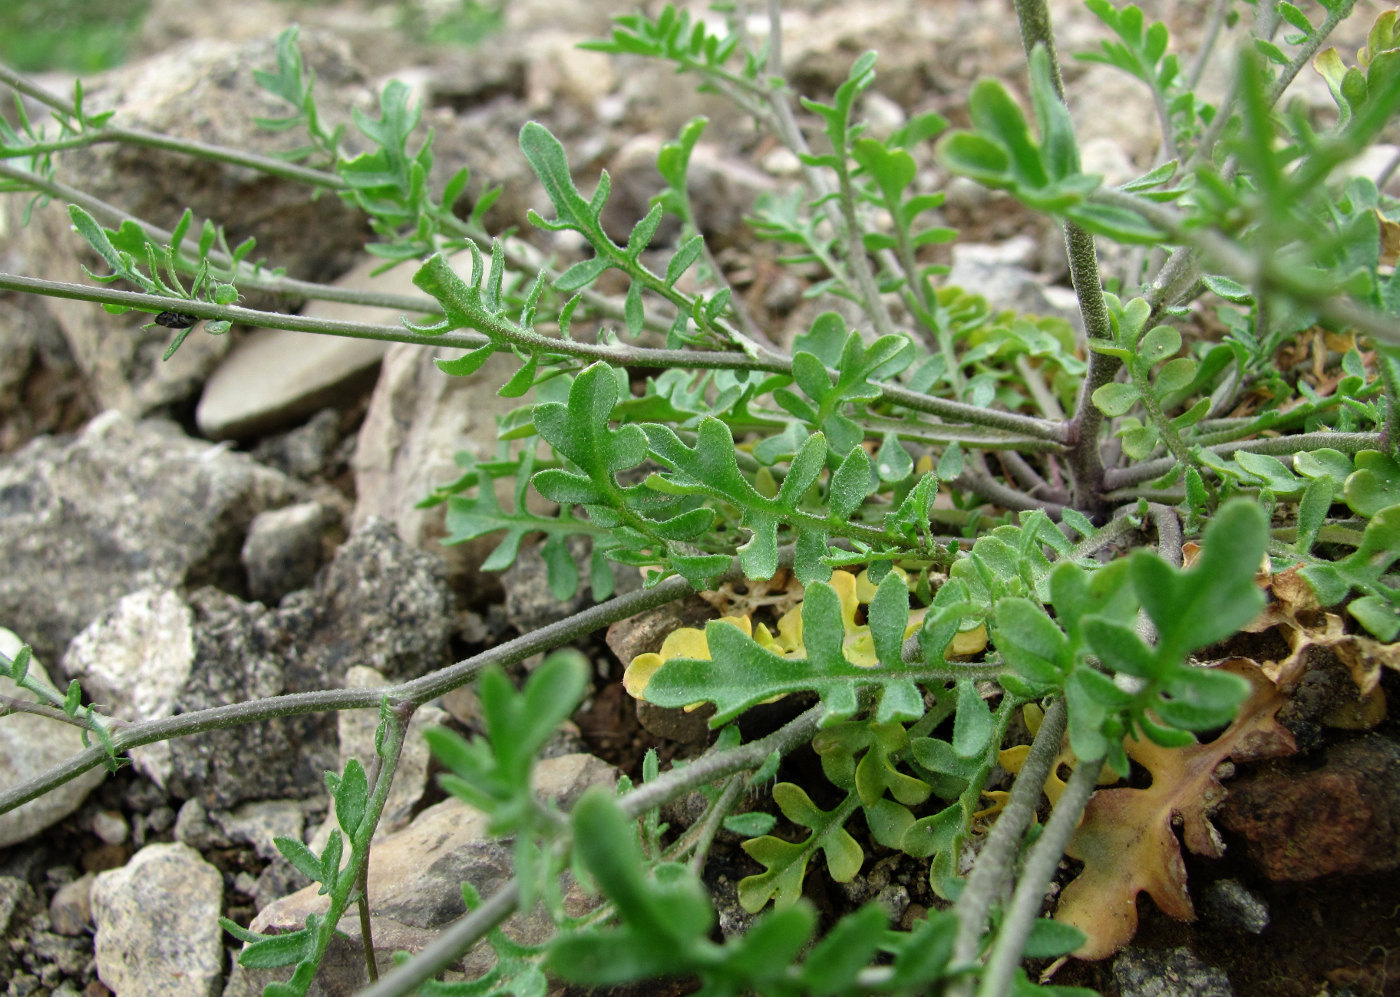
{"x":242,"y":521}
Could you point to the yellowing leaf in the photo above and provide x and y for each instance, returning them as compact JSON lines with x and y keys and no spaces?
{"x":1127,"y":841}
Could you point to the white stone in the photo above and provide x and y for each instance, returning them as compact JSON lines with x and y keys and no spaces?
{"x":134,"y":660}
{"x":31,"y":745}
{"x":274,"y":378}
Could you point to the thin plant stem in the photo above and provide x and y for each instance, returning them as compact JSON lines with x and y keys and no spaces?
{"x":417,"y":691}
{"x":1039,"y":869}
{"x":458,"y":938}
{"x":1085,"y":460}
{"x":1208,"y":42}
{"x":1122,"y":477}
{"x":619,"y":355}
{"x":992,"y":870}
{"x":1168,"y":525}
{"x":710,"y":826}
{"x":983,"y":484}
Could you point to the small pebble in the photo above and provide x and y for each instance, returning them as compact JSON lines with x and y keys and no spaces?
{"x":110,"y":826}
{"x":70,"y":910}
{"x":1230,"y":904}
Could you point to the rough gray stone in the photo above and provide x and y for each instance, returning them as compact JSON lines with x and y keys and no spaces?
{"x":306,"y":452}
{"x":1167,"y":973}
{"x":70,"y":910}
{"x":242,"y":652}
{"x":29,"y":746}
{"x":41,"y":388}
{"x":157,"y":924}
{"x":1230,"y":904}
{"x":259,"y":823}
{"x":283,"y":551}
{"x":122,"y":506}
{"x":418,"y":418}
{"x":999,"y":274}
{"x":194,"y":828}
{"x":530,"y":604}
{"x":18,"y":904}
{"x":377,"y":603}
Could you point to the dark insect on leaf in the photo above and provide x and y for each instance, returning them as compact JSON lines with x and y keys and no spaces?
{"x":176,"y":320}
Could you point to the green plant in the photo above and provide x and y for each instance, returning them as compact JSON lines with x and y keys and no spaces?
{"x":740,"y":460}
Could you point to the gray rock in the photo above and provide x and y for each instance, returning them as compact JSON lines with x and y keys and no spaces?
{"x":134,"y":658}
{"x":415,"y":879}
{"x":18,"y":904}
{"x":1230,"y":904}
{"x":283,"y":551}
{"x":110,"y":827}
{"x":418,"y":418}
{"x":999,"y":274}
{"x":122,"y":506}
{"x":202,"y":90}
{"x":70,"y":910}
{"x":306,"y":452}
{"x":258,"y":824}
{"x":41,"y":388}
{"x":1167,"y":973}
{"x":157,"y":924}
{"x":530,"y":603}
{"x":29,"y":746}
{"x":377,"y":603}
{"x":242,"y":652}
{"x":194,"y":828}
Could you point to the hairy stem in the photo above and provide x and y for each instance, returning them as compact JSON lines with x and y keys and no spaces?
{"x":417,"y":691}
{"x":1122,"y":477}
{"x":1039,"y":869}
{"x":997,"y":859}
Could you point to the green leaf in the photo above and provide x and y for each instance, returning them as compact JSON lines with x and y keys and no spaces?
{"x":546,"y":157}
{"x":834,"y":962}
{"x":1049,"y":939}
{"x":1374,"y":485}
{"x":303,"y":859}
{"x":750,"y":824}
{"x":1115,"y":398}
{"x":785,"y":862}
{"x":468,"y":363}
{"x":741,"y":673}
{"x":893,"y":462}
{"x":1217,"y":596}
{"x":581,"y":274}
{"x":275,"y":951}
{"x":686,"y":255}
{"x":580,"y":432}
{"x":850,"y":484}
{"x":352,"y":794}
{"x":972,"y":723}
